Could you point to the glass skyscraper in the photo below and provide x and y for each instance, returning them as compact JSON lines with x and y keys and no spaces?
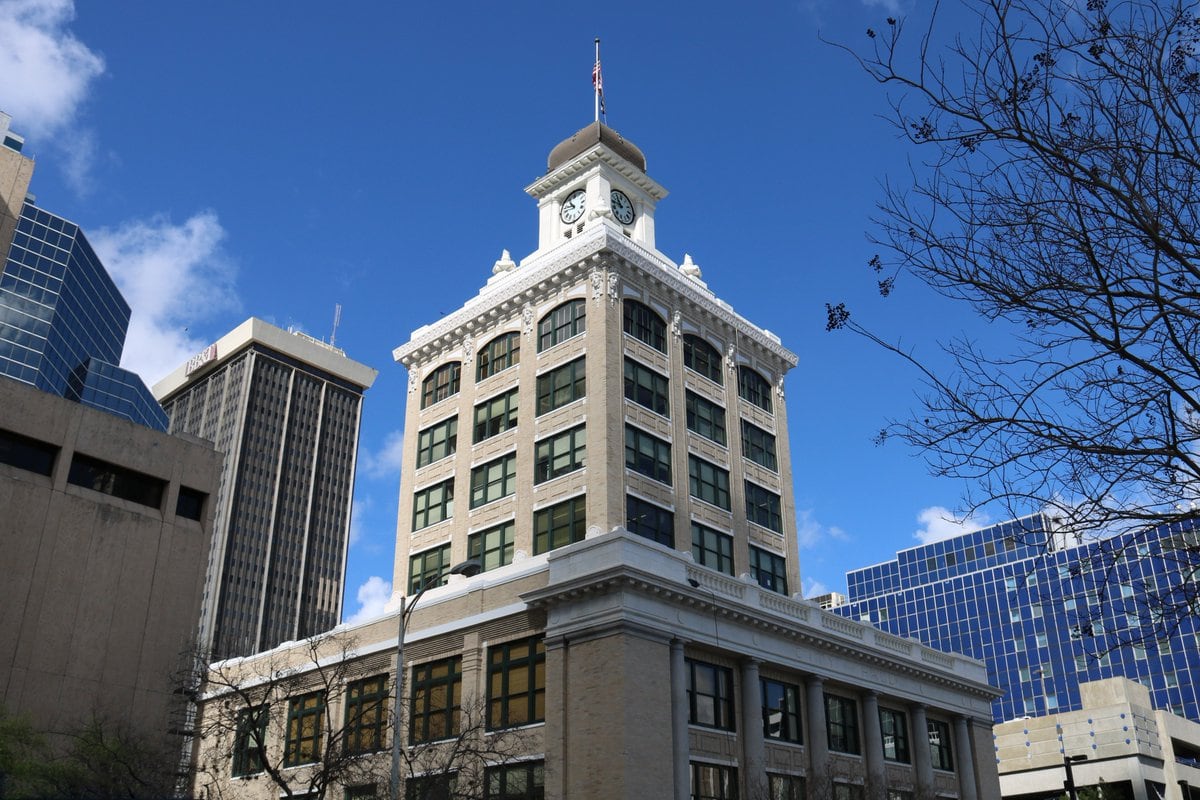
{"x":1046,"y":614}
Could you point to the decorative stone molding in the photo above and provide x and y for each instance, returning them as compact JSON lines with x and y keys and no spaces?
{"x":689,"y":268}
{"x":504,"y":263}
{"x":527,"y":319}
{"x":597,"y":278}
{"x":614,"y":292}
{"x":468,"y":350}
{"x":779,"y":387}
{"x":731,"y":359}
{"x":412,"y":379}
{"x":676,"y":320}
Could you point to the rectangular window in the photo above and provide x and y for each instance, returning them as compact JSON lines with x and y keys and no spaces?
{"x":763,"y":507}
{"x":785,"y":787}
{"x":649,"y":520}
{"x":781,"y":711}
{"x":516,"y":683}
{"x":499,"y":354}
{"x":250,"y":741}
{"x":754,"y":388}
{"x":524,"y":781}
{"x":127,"y":484}
{"x":493,"y":480}
{"x":437,"y":441}
{"x":647,"y":454}
{"x":939,"y":745}
{"x":560,"y":386}
{"x":713,"y":782}
{"x":306,"y":715}
{"x":493,"y":547}
{"x":496,"y":415}
{"x":708,"y":482}
{"x":847,"y":791}
{"x":710,"y":695}
{"x":712,"y":549}
{"x":190,"y":503}
{"x":436,"y":706}
{"x":759,"y":446}
{"x":647,"y":388}
{"x":768,"y":570}
{"x":894,"y":727}
{"x":705,"y":418}
{"x":425,"y":568}
{"x":364,"y":791}
{"x":433,"y":504}
{"x":439,"y":786}
{"x":559,"y":454}
{"x":27,"y":454}
{"x":559,"y":525}
{"x":841,"y":724}
{"x":366,"y":714}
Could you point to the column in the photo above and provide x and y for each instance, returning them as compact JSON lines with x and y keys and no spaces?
{"x":817,"y":743}
{"x":920,"y":732}
{"x":966,"y":759}
{"x":873,"y":744}
{"x":679,"y":722}
{"x":754,"y":754}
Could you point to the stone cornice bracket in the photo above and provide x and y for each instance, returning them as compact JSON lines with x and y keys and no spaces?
{"x":468,"y":349}
{"x":527,"y":319}
{"x":614,"y":288}
{"x":779,"y":386}
{"x":413,"y":380}
{"x":731,"y":359}
{"x":597,"y":277}
{"x":676,"y":324}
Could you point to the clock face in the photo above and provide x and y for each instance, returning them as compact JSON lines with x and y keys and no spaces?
{"x":621,"y":207}
{"x":572,"y":207}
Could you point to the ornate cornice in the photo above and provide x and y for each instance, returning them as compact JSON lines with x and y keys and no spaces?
{"x":584,"y":163}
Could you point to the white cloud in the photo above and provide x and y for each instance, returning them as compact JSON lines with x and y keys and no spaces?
{"x":890,"y":6}
{"x":372,"y":597}
{"x":941,"y":523}
{"x":172,"y":276}
{"x":813,"y":587}
{"x":386,"y":460}
{"x":361,"y":505}
{"x":810,"y":532}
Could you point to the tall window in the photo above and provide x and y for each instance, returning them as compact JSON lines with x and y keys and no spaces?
{"x":939,"y":745}
{"x":700,"y":356}
{"x":841,"y":723}
{"x":366,"y":714}
{"x":768,"y":570}
{"x":754,"y":388}
{"x":559,"y":454}
{"x":894,"y":727}
{"x":306,"y":714}
{"x":441,"y":383}
{"x":516,"y":683}
{"x":492,"y":548}
{"x":499,"y":354}
{"x":559,"y":525}
{"x":649,"y":520}
{"x":493,"y":480}
{"x":710,"y":695}
{"x":785,"y":787}
{"x":524,"y":781}
{"x":647,"y":454}
{"x":705,"y":418}
{"x":496,"y":415}
{"x":713,"y":782}
{"x":781,"y":710}
{"x":426,"y":568}
{"x":708,"y":482}
{"x":436,"y":700}
{"x":641,"y":322}
{"x":250,"y":741}
{"x":759,"y":446}
{"x":762,"y":507}
{"x":561,"y":385}
{"x":647,"y":388}
{"x":437,"y":441}
{"x":433,"y":504}
{"x":438,"y":786}
{"x":569,"y":319}
{"x":712,"y":549}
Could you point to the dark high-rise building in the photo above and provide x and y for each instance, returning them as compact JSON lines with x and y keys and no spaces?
{"x":284,"y":408}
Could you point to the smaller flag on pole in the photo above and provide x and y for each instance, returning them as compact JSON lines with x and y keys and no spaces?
{"x":598,"y":84}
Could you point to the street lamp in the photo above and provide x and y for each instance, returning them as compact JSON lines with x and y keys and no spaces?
{"x":468,"y":569}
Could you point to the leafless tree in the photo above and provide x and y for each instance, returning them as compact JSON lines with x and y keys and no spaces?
{"x":1056,"y":190}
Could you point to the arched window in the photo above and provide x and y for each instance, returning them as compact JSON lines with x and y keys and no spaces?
{"x":441,"y":383}
{"x":499,"y":354}
{"x":755,"y":388}
{"x":569,"y":319}
{"x":642,"y":322}
{"x":700,"y":356}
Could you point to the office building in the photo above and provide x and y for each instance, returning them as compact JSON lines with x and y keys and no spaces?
{"x":1047,"y":614}
{"x":62,"y":319}
{"x":607,"y":441}
{"x":284,"y":409}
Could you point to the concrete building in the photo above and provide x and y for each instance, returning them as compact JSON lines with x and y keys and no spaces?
{"x":104,"y":532}
{"x":1047,"y":615}
{"x":1116,"y":746}
{"x":284,"y":408}
{"x":623,"y":482}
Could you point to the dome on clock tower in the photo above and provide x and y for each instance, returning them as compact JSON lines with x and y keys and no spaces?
{"x":588,"y":137}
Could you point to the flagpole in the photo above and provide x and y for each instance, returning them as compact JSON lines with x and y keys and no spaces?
{"x":596,"y":80}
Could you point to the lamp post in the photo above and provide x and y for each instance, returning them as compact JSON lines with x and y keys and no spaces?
{"x":466,"y":568}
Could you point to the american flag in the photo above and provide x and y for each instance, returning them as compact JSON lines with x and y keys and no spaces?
{"x":598,"y":83}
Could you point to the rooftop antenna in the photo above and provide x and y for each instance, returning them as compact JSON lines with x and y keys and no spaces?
{"x":598,"y":85}
{"x":337,"y":320}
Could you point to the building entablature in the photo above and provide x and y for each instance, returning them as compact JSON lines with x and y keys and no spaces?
{"x":589,"y":162}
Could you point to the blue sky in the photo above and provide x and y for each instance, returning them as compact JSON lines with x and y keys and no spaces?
{"x":230,"y":159}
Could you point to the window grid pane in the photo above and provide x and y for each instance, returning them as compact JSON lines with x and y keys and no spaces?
{"x":560,"y":386}
{"x":562,"y":453}
{"x":705,"y":418}
{"x":559,"y":525}
{"x":436,"y":700}
{"x":648,"y":520}
{"x":712,"y":549}
{"x":708,"y":482}
{"x":425,"y":568}
{"x":492,"y":548}
{"x":763,"y":507}
{"x":441,"y":383}
{"x":647,"y":454}
{"x":437,"y":441}
{"x":768,"y":569}
{"x":564,"y":322}
{"x":516,"y":683}
{"x":499,"y":354}
{"x":754,"y":388}
{"x":433,"y":504}
{"x":759,"y":446}
{"x":710,"y":695}
{"x":701,"y":357}
{"x":494,"y":480}
{"x":641,"y":322}
{"x":841,"y":723}
{"x":366,"y":713}
{"x":647,"y":388}
{"x":305,"y":715}
{"x":496,"y":415}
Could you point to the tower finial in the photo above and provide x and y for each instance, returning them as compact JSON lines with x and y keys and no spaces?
{"x":598,"y":85}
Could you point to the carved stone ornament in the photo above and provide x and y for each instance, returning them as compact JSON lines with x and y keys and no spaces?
{"x":468,"y":349}
{"x":527,"y":318}
{"x":504,"y":264}
{"x":597,"y":285}
{"x":614,"y":293}
{"x":779,"y":387}
{"x":731,"y":358}
{"x":689,"y":268}
{"x":412,"y":380}
{"x":676,"y":319}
